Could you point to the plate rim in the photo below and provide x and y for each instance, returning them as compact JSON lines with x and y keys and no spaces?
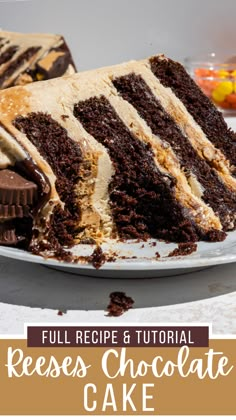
{"x":164,"y":263}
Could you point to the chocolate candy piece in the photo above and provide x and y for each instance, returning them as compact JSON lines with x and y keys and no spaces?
{"x":17,"y":195}
{"x":54,"y":64}
{"x":7,"y":234}
{"x":14,"y":189}
{"x":12,"y":211}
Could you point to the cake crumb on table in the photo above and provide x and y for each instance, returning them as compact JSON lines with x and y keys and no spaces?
{"x":60,"y":313}
{"x":119,"y":303}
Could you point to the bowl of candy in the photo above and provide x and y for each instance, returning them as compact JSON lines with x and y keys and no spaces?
{"x":216,"y":76}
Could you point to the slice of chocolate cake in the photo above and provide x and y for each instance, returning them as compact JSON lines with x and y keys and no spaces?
{"x":25,"y":58}
{"x":111,"y":153}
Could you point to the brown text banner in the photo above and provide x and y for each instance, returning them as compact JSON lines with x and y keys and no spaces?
{"x":118,"y":381}
{"x":150,"y":336}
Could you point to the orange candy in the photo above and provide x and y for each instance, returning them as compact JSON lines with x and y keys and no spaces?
{"x":232,"y":99}
{"x":215,"y":84}
{"x":205,"y":73}
{"x":224,"y":104}
{"x":229,"y":102}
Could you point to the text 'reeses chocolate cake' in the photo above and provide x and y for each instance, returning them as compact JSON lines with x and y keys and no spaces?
{"x":25,"y":58}
{"x":130,"y":151}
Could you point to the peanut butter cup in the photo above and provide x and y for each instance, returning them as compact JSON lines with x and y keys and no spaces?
{"x":17,"y":199}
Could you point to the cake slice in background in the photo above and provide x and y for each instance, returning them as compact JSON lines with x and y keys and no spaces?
{"x":25,"y":58}
{"x":113,"y":153}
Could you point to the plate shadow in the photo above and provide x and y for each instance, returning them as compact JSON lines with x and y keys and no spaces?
{"x":33,"y":285}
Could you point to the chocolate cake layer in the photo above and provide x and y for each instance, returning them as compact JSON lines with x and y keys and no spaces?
{"x":25,"y":58}
{"x":64,"y":156}
{"x":8,"y":54}
{"x":134,"y":89}
{"x":171,"y":74}
{"x":141,"y":198}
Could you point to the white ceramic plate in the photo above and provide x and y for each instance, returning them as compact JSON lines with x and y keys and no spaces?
{"x":138,"y":259}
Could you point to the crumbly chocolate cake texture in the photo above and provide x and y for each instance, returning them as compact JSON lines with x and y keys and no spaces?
{"x":119,"y":304}
{"x":183,"y":249}
{"x":132,"y":151}
{"x":25,"y":58}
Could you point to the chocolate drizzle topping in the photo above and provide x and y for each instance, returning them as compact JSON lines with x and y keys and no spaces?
{"x":29,"y":169}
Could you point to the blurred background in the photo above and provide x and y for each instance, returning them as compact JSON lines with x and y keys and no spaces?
{"x":103,"y":32}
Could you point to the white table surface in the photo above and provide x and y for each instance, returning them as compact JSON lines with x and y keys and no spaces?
{"x":33,"y":293}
